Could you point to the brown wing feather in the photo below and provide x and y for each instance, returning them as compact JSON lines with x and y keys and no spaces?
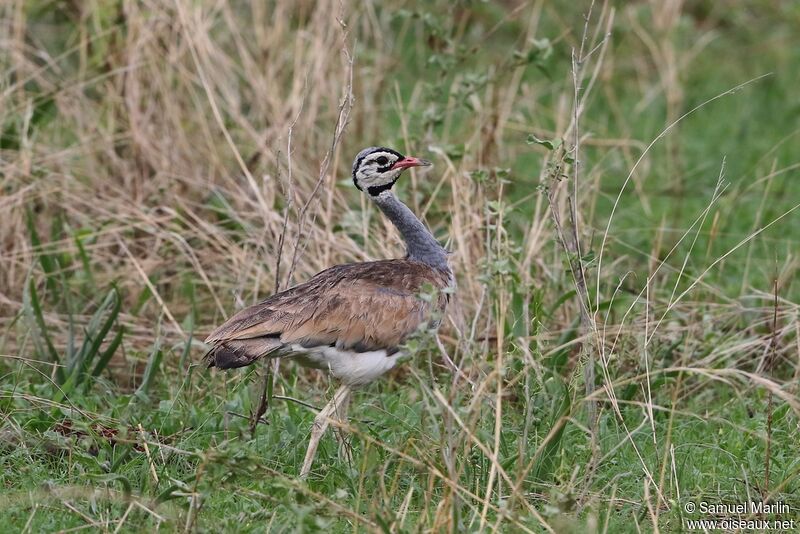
{"x":359,"y":306}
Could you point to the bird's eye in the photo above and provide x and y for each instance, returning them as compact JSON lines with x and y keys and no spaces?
{"x":383,"y":160}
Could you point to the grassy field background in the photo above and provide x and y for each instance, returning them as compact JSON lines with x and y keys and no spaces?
{"x":163,"y":163}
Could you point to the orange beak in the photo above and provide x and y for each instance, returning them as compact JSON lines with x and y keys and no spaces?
{"x":408,"y":162}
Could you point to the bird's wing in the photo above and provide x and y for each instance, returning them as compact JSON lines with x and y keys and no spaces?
{"x":361,"y":306}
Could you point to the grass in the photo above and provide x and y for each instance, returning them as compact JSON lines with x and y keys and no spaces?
{"x":163,"y":164}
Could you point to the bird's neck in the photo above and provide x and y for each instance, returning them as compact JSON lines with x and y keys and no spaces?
{"x":420,"y":243}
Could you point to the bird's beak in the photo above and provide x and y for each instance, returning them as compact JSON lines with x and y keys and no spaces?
{"x":409,"y":161}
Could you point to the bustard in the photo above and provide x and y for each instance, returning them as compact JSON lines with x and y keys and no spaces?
{"x":351,"y":319}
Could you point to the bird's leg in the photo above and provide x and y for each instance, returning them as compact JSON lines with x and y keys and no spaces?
{"x":321,"y":422}
{"x":345,"y":450}
{"x":263,"y":404}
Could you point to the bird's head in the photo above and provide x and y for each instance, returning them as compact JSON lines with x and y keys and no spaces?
{"x":376,"y":169}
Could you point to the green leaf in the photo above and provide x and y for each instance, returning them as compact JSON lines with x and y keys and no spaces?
{"x":153,"y":363}
{"x":105,"y":357}
{"x":33,"y":309}
{"x":48,"y":262}
{"x":548,"y":144}
{"x":78,"y":237}
{"x":96,"y":331}
{"x":173,"y":492}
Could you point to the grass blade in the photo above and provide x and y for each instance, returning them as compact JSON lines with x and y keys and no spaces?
{"x":48,"y":262}
{"x":96,"y":331}
{"x":33,"y":309}
{"x":153,"y":363}
{"x":105,"y":357}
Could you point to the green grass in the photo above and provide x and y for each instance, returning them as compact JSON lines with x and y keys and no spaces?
{"x":131,"y":229}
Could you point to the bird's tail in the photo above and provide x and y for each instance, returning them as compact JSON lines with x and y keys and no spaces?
{"x":235,"y":353}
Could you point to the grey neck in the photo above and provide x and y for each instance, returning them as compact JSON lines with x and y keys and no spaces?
{"x":420,"y":244}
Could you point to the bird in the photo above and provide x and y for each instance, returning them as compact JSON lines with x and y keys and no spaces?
{"x":351,"y":320}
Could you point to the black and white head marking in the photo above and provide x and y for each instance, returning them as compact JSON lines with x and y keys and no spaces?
{"x":372,"y":169}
